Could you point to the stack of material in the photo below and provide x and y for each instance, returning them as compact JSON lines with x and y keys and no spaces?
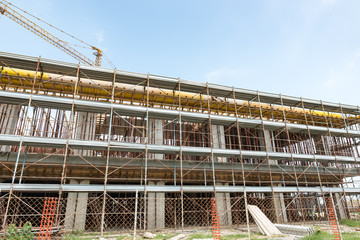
{"x":295,"y":229}
{"x":264,"y":224}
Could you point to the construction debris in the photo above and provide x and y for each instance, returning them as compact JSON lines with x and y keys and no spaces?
{"x":295,"y":229}
{"x":178,"y":237}
{"x":264,"y":224}
{"x":149,"y":235}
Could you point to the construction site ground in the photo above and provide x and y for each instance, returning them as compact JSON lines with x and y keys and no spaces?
{"x":350,"y":230}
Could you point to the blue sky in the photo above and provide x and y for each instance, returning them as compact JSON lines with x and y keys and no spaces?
{"x":308,"y":48}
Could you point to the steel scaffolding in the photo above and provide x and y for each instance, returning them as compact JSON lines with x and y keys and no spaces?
{"x":135,"y":152}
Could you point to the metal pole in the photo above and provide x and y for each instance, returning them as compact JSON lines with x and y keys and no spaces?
{"x":20,"y":145}
{"x":135,"y":216}
{"x":108,"y":156}
{"x":242,"y":167}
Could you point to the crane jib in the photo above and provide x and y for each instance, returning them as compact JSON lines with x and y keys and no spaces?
{"x":8,"y":11}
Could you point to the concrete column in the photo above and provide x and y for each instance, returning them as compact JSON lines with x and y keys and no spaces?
{"x":156,"y":201}
{"x":339,"y":203}
{"x":223,"y":206}
{"x":156,"y":208}
{"x":70,"y":208}
{"x":81,"y":207}
{"x":158,"y":135}
{"x":151,"y":208}
{"x":9,"y":116}
{"x":76,"y":207}
{"x":280,"y":208}
{"x":85,"y":130}
{"x":277,"y":206}
{"x":223,"y":203}
{"x":218,"y":138}
{"x":77,"y":202}
{"x":283,"y":207}
{"x":160,"y":208}
{"x":151,"y":211}
{"x":266,"y":143}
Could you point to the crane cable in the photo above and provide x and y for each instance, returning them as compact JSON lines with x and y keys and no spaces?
{"x":60,"y":30}
{"x":90,"y":46}
{"x":109,"y":61}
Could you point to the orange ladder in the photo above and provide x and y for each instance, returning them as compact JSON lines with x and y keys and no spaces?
{"x":215,"y":220}
{"x":332,"y":220}
{"x":47,"y":218}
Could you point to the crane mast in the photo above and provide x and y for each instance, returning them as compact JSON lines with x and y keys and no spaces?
{"x":11,"y":13}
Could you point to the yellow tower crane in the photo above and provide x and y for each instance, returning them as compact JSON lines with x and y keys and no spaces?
{"x":7,"y":9}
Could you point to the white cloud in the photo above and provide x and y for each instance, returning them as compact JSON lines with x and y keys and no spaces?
{"x":223,"y":75}
{"x":328,"y":2}
{"x":99,"y":36}
{"x":355,"y":59}
{"x":330,"y":82}
{"x":348,"y":73}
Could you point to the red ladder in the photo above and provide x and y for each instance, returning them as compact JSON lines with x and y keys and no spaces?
{"x":215,"y":220}
{"x":47,"y":218}
{"x":332,"y":220}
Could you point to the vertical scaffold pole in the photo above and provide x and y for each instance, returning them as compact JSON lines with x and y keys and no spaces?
{"x":315,"y":159}
{"x":108,"y":155}
{"x":20,"y":146}
{"x":69,"y":135}
{"x":135,"y":215}
{"x":354,"y":146}
{"x":266,"y":148}
{"x":292,"y":158}
{"x":146,"y":149}
{"x":242,"y":164}
{"x":211,"y":142}
{"x":181,"y":157}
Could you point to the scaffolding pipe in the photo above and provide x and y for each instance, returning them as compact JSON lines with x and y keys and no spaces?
{"x":5,"y":187}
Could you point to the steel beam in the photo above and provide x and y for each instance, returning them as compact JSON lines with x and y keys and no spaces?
{"x":5,"y":187}
{"x":14,"y":140}
{"x":165,"y":114}
{"x":47,"y":65}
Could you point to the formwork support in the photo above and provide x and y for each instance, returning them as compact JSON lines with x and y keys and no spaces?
{"x":9,"y":115}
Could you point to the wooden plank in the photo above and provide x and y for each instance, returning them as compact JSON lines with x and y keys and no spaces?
{"x":264,"y":224}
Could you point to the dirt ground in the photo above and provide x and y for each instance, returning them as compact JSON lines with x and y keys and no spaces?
{"x":226,"y":234}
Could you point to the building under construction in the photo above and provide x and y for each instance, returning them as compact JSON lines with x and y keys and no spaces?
{"x":116,"y":151}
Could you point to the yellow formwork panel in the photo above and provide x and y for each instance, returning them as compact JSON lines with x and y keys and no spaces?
{"x":23,"y":79}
